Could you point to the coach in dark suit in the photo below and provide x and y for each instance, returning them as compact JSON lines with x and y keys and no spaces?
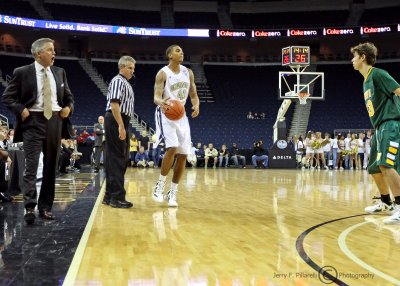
{"x":39,"y":96}
{"x":99,"y":142}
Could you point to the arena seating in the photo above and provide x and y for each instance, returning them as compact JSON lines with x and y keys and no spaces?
{"x":375,"y":16}
{"x":196,"y":20}
{"x":237,"y":90}
{"x":7,"y":66}
{"x":98,"y":15}
{"x":344,"y":102}
{"x":18,"y":8}
{"x":143,"y":85}
{"x":89,"y":102}
{"x":289,"y":19}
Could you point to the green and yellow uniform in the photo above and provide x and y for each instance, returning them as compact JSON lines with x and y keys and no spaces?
{"x":383,"y":108}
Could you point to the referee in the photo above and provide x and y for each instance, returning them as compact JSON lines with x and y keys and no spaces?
{"x":119,"y":110}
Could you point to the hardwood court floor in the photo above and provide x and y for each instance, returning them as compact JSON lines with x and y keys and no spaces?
{"x":242,"y":227}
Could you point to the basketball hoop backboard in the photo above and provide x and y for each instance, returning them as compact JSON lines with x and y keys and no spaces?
{"x":291,"y":83}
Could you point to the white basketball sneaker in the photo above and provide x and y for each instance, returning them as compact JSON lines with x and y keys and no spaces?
{"x":158,"y":192}
{"x":171,"y":198}
{"x":380,"y":207}
{"x":394,"y":218}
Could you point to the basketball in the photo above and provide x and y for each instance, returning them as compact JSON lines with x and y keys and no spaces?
{"x":175,"y":110}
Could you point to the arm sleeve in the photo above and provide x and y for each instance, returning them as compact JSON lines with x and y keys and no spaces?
{"x":115,"y":91}
{"x":12,"y":93}
{"x":389,"y":84}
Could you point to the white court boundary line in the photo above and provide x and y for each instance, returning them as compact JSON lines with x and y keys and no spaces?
{"x":80,"y":250}
{"x":347,"y":251}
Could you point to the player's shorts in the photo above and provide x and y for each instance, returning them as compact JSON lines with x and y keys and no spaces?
{"x":174,"y":133}
{"x":385,"y":147}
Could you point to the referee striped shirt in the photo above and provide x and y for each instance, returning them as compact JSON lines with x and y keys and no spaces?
{"x":120,"y":90}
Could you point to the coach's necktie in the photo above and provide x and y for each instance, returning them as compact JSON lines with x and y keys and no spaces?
{"x":47,"y":109}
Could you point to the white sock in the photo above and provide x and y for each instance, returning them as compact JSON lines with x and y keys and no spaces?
{"x":162,"y":178}
{"x":174,"y":186}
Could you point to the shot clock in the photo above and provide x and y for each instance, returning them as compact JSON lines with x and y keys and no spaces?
{"x":296,"y":56}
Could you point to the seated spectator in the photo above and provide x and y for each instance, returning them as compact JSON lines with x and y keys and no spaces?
{"x":65,"y":155}
{"x":91,"y":137}
{"x":223,"y":154}
{"x":10,"y":137}
{"x":81,"y":138}
{"x":235,"y":156}
{"x":250,"y":115}
{"x":210,"y":153}
{"x":200,"y":155}
{"x":134,"y":143}
{"x":85,"y":134}
{"x":69,"y":158}
{"x":3,"y":138}
{"x":156,"y":151}
{"x":142,"y":159}
{"x":259,"y":155}
{"x":144,"y":141}
{"x":75,"y":156}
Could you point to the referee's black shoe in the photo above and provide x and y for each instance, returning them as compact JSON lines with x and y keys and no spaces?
{"x":121,"y":204}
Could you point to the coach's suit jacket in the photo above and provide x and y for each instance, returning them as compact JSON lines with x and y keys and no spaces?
{"x":99,"y":130}
{"x":21,"y":93}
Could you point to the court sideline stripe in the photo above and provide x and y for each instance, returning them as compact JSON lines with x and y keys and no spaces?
{"x":308,"y":260}
{"x":352,"y":256}
{"x":80,"y":250}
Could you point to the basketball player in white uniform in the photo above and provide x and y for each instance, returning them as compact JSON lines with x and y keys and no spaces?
{"x":173,"y":81}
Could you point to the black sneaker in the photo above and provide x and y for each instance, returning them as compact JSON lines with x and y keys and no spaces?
{"x":121,"y":204}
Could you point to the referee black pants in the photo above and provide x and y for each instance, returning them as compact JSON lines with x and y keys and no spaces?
{"x":117,"y":157}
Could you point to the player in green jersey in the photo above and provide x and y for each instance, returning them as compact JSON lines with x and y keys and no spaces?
{"x":382,"y":99}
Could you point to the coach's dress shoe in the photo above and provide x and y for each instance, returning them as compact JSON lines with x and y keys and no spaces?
{"x":5,"y":198}
{"x":46,"y":215}
{"x":29,"y":216}
{"x":121,"y":204}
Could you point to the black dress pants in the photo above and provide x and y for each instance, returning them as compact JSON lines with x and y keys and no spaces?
{"x":97,"y":154}
{"x":116,"y":162}
{"x":41,"y":135}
